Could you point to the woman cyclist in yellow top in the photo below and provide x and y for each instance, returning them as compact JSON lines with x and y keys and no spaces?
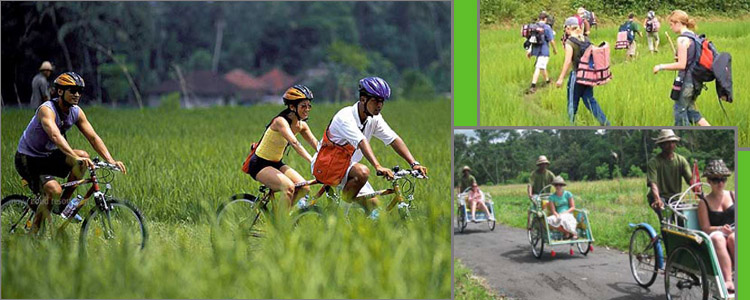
{"x":265,"y":164}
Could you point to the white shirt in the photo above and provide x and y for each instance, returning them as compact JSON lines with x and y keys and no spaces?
{"x":347,"y":128}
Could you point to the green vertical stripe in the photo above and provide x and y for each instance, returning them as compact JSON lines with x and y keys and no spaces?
{"x":465,"y":58}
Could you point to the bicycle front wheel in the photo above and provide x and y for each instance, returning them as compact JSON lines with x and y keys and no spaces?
{"x":241,"y":218}
{"x":16,"y":215}
{"x":121,"y":225}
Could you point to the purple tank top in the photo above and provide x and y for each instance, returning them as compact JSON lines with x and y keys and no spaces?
{"x":35,"y":142}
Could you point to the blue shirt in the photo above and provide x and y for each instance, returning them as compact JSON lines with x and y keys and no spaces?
{"x":543,"y":49}
{"x":561,"y":203}
{"x":35,"y":142}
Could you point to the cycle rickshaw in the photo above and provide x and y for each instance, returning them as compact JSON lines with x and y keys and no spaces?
{"x":539,"y":231}
{"x":692,"y":269}
{"x":462,"y":215}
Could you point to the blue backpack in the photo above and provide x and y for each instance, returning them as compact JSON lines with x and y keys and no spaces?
{"x":628,"y":26}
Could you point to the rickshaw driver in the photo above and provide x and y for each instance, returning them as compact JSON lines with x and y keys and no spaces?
{"x":540,"y":178}
{"x":665,"y":170}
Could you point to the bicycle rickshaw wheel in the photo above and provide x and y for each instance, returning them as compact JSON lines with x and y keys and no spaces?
{"x":685,"y":281}
{"x":584,"y":247}
{"x":461,"y":218}
{"x":241,"y":218}
{"x":491,"y":224}
{"x":16,"y":211}
{"x":122,"y":224}
{"x":643,"y":258}
{"x":536,"y":239}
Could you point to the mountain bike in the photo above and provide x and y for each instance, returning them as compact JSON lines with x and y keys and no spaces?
{"x":110,"y":220}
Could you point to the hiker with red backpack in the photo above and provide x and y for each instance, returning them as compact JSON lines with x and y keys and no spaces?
{"x":652,"y":26}
{"x":698,"y":62}
{"x":540,"y":49}
{"x":587,"y":71}
{"x":626,"y":36}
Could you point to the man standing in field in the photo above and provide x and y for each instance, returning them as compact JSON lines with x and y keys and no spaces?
{"x":40,"y":85}
{"x":665,"y":170}
{"x":43,"y":151}
{"x":355,"y":126}
{"x":467,"y":180}
{"x":541,"y":52}
{"x":636,"y":29}
{"x":540,"y":177}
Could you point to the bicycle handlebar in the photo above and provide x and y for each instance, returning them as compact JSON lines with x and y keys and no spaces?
{"x":103,"y":165}
{"x":399,"y":173}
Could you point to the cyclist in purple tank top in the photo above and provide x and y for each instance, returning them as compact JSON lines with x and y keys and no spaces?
{"x":43,"y":151}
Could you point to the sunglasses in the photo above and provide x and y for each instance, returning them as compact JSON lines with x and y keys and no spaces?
{"x":76,"y":89}
{"x":718,"y":179}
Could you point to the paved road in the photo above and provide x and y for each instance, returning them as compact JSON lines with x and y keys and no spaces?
{"x":504,"y":258}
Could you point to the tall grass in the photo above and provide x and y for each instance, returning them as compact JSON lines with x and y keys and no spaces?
{"x":183,"y":163}
{"x":634,"y":97}
{"x":611,"y":204}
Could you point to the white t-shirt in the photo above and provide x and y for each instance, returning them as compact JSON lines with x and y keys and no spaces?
{"x":347,"y":128}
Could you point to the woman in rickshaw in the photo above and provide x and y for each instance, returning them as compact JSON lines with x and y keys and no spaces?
{"x":476,"y":197}
{"x":716,"y":218}
{"x":562,"y":206}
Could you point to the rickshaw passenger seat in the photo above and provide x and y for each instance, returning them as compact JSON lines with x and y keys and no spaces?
{"x":692,"y":218}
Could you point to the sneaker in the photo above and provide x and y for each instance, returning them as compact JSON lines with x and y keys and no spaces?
{"x":492,"y":218}
{"x":473,"y":220}
{"x":530,"y":91}
{"x":302,"y":204}
{"x":374,"y":214}
{"x":77,"y":219}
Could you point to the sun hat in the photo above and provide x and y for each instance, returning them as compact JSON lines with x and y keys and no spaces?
{"x":716,"y":168}
{"x":542,"y":160}
{"x":571,"y":21}
{"x":558,"y":180}
{"x":46,"y":66}
{"x":666,"y":135}
{"x":466,"y":168}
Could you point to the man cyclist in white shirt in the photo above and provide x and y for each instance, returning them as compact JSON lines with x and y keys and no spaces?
{"x":356,"y":125}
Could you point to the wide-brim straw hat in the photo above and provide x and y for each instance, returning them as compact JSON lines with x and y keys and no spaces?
{"x":466,"y":168}
{"x":542,"y":160}
{"x":46,"y":66}
{"x":666,"y":135}
{"x":716,"y":168}
{"x":558,"y":180}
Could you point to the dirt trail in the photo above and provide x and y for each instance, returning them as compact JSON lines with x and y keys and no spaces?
{"x":504,"y":258}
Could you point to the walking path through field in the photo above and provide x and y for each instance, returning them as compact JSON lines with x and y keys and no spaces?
{"x":504,"y":258}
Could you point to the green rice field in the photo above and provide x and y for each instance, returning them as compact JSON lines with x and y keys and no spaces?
{"x":634,"y":97}
{"x":183,"y":163}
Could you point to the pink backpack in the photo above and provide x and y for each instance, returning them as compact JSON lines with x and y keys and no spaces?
{"x":622,"y":40}
{"x":593,"y":67}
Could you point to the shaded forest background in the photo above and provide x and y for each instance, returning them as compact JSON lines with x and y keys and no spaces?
{"x":509,"y":156}
{"x":408,"y":43}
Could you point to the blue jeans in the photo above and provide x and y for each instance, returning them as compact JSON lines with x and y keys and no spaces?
{"x":578,"y":91}
{"x":685,"y":111}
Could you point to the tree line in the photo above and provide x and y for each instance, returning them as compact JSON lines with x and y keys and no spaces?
{"x":521,"y":11}
{"x":123,"y":48}
{"x":509,"y":156}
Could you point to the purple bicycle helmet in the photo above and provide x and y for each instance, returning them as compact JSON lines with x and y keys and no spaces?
{"x":375,"y":86}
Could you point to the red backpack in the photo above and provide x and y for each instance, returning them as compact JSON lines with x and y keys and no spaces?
{"x":709,"y":65}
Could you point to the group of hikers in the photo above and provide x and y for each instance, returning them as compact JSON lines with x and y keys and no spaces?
{"x":44,"y":153}
{"x":586,"y":65}
{"x":665,"y":174}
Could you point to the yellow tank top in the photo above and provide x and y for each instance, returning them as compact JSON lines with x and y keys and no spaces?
{"x":271,"y":146}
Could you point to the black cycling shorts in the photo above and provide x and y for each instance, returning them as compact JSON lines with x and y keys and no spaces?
{"x":256,"y":164}
{"x":39,"y":170}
